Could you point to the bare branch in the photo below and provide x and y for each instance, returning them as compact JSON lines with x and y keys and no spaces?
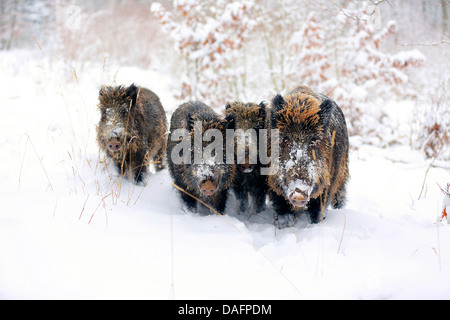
{"x":426,"y":44}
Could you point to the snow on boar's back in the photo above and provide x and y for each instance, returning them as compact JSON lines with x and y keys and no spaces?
{"x":196,"y":156}
{"x":313,"y":161}
{"x":132,"y":129}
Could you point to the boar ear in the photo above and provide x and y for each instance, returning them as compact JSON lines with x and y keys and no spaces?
{"x":132,"y":92}
{"x":230,"y":121}
{"x":230,"y":117}
{"x":278,"y":102}
{"x":102,"y":90}
{"x":190,"y":122}
{"x":262,"y":110}
{"x":326,"y":110}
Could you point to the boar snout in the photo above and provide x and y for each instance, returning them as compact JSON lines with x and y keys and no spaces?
{"x":246,"y":167}
{"x":114,"y":145}
{"x":208,"y":188}
{"x":298,"y":198}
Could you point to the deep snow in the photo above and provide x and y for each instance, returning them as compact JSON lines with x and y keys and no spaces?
{"x":69,"y":229}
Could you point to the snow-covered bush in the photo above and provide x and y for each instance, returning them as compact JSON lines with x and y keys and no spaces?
{"x":431,"y":125}
{"x":84,"y":32}
{"x":209,"y":36}
{"x":309,"y":57}
{"x":241,"y":49}
{"x":363,"y":73}
{"x":123,"y":31}
{"x":217,"y":51}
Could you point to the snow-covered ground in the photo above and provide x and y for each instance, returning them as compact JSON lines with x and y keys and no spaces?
{"x":70,"y":229}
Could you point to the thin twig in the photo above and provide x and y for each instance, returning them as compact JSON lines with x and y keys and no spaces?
{"x":40,"y":161}
{"x":54,"y":210}
{"x":426,"y":44}
{"x":101,"y":201}
{"x":202,"y":202}
{"x":84,"y":205}
{"x":425,"y":177}
{"x":343,"y":230}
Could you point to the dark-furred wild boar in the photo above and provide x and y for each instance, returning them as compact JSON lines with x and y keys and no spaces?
{"x":196,"y":157}
{"x":313,"y":161}
{"x":248,"y":119}
{"x":132,"y":129}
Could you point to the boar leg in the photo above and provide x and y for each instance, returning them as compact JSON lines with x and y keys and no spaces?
{"x":188,"y":201}
{"x":339,"y":198}
{"x":259,"y":199}
{"x":242,"y":199}
{"x":139,"y":174}
{"x":159,"y":157}
{"x":284,"y":216}
{"x":314,"y":210}
{"x":221,"y":201}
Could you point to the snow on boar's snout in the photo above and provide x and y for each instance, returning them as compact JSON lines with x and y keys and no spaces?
{"x":198,"y":174}
{"x":207,"y":177}
{"x":313,"y":161}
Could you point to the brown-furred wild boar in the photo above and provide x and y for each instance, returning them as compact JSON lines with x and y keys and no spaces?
{"x":132,"y":129}
{"x":313,"y":160}
{"x":248,"y":119}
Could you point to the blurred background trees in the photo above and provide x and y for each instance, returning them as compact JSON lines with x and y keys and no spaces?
{"x":364,"y":54}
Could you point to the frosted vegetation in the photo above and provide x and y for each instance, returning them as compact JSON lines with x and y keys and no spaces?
{"x":364,"y":54}
{"x":70,"y":227}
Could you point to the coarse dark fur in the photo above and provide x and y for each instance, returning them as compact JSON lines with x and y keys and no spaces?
{"x":134,"y":121}
{"x":191,"y":177}
{"x":248,"y":180}
{"x":313,"y":162}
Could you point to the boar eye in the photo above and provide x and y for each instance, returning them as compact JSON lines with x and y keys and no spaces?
{"x":123,"y":113}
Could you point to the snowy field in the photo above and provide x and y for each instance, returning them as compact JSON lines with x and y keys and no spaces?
{"x":70,"y":229}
